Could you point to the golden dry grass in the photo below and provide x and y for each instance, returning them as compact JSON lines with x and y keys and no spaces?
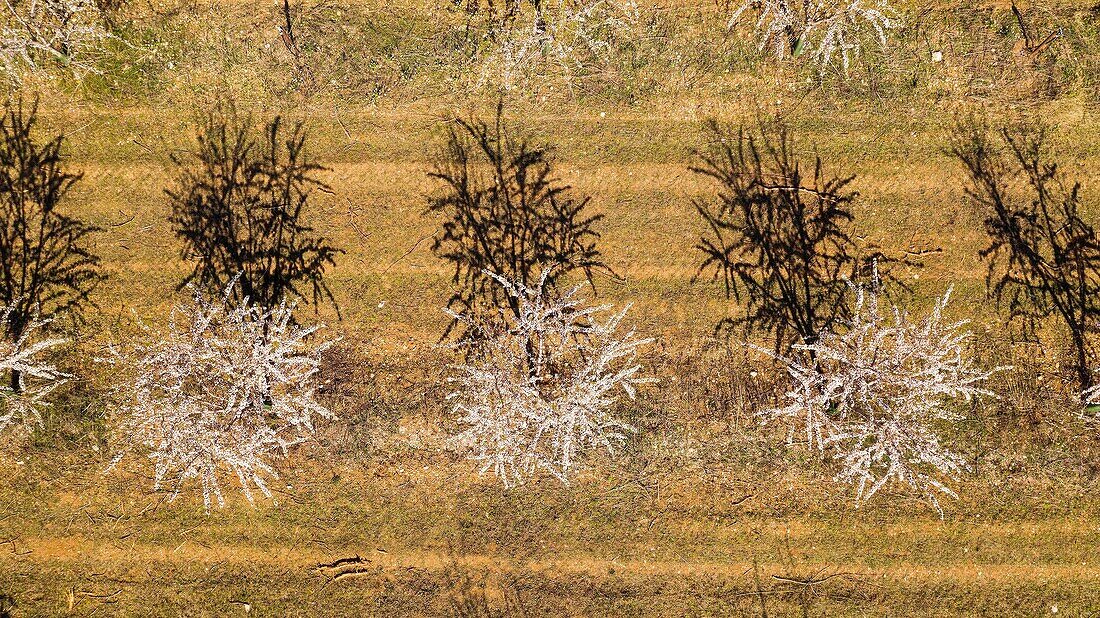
{"x":705,"y":514}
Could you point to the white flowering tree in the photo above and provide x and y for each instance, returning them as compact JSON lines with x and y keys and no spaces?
{"x":874,"y":393}
{"x":560,"y":37}
{"x":1091,"y":398}
{"x":23,"y":396}
{"x":224,"y":389}
{"x":827,"y":30}
{"x":67,"y":33}
{"x":538,"y":390}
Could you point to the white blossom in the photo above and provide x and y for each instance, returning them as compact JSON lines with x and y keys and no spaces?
{"x":874,"y":392}
{"x":566,"y":35}
{"x":21,"y":403}
{"x":224,"y":389}
{"x":827,"y":29}
{"x":66,"y":32}
{"x":1091,"y":398}
{"x":539,"y":387}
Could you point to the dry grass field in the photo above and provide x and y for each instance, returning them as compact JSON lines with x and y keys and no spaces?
{"x":705,"y":513}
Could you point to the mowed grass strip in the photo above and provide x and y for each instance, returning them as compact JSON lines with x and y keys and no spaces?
{"x":220,"y":580}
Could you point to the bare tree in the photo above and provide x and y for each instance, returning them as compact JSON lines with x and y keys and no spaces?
{"x":1043,"y":257}
{"x":238,"y":207}
{"x":504,"y":213}
{"x":778,"y":239}
{"x":46,"y":267}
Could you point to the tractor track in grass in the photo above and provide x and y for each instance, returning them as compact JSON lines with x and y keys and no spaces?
{"x":78,"y":549}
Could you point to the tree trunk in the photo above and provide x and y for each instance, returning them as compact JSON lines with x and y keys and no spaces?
{"x":540,"y":18}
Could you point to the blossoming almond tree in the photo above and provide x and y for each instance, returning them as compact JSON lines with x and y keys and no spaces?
{"x":1091,"y":398}
{"x":21,"y":402}
{"x":538,"y":388}
{"x":69,"y":33}
{"x":874,"y":391}
{"x":225,"y":389}
{"x":561,"y":37}
{"x":828,"y":29}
